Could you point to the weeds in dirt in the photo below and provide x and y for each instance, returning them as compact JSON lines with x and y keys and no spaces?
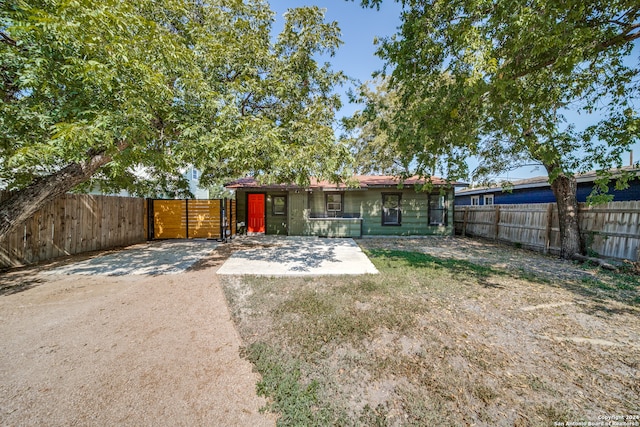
{"x":439,"y":342}
{"x":457,"y":268}
{"x":281,"y":382}
{"x":623,"y":285}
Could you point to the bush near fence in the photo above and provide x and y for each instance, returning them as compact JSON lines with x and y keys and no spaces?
{"x":609,"y":230}
{"x":72,"y":224}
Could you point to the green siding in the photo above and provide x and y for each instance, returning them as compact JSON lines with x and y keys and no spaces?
{"x":241,"y":205}
{"x":297,"y":214}
{"x":329,"y":227}
{"x":316,"y":203}
{"x":415,"y":214}
{"x":276,"y":224}
{"x":367,"y":204}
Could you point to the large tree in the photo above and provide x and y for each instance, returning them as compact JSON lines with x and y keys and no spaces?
{"x":542,"y":82}
{"x":93,"y":90}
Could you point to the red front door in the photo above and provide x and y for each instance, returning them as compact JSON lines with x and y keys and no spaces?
{"x":255,"y":216}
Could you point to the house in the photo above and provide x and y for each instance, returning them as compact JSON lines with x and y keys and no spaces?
{"x":538,"y":190}
{"x":192,"y":175}
{"x":375,"y":206}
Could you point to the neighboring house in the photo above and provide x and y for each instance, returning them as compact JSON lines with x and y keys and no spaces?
{"x":538,"y":190}
{"x":376,"y":207}
{"x":193,"y":176}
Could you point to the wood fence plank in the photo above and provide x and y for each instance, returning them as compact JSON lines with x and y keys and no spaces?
{"x":83,"y":228}
{"x":548,"y":227}
{"x":72,"y":224}
{"x":59,"y":234}
{"x":16,"y":247}
{"x":42,"y":234}
{"x":614,"y":228}
{"x":496,"y":221}
{"x":96,"y":217}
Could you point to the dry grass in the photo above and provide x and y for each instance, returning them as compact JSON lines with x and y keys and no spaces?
{"x":441,"y":341}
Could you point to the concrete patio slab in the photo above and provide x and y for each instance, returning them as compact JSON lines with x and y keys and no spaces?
{"x":153,"y":258}
{"x":299,"y":256}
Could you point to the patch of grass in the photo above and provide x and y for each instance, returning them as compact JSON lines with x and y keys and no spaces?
{"x":626,"y":279}
{"x":374,"y":417}
{"x":395,"y":259}
{"x":296,"y":402}
{"x":429,"y":409}
{"x":388,"y":260}
{"x":622,"y":286}
{"x":485,"y":393}
{"x":595,"y":283}
{"x":531,"y":277}
{"x":369,"y":285}
{"x":551,"y":414}
{"x":310,"y":320}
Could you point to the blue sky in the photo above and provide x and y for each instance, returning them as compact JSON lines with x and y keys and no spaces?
{"x":357,"y":59}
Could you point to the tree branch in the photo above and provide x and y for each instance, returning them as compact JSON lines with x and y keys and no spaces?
{"x":4,"y":37}
{"x":625,"y":36}
{"x":622,"y":38}
{"x":24,"y":203}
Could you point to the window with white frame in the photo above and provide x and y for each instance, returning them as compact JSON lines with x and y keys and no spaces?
{"x":475,"y":200}
{"x":334,"y":204}
{"x":488,"y":199}
{"x":195,"y":174}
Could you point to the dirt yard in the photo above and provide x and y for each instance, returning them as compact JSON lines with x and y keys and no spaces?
{"x":451,"y":332}
{"x":126,"y":350}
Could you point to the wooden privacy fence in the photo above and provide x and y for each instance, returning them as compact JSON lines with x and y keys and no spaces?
{"x":72,"y":224}
{"x":186,"y":218}
{"x":610,"y":230}
{"x":77,"y":223}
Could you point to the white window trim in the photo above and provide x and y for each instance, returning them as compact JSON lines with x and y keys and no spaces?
{"x":334,"y":206}
{"x":475,"y":200}
{"x":488,"y":199}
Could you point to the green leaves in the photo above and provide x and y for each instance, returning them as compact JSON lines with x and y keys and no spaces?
{"x":503,"y":80}
{"x":179,"y":82}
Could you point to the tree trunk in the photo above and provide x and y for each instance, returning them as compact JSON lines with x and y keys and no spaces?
{"x":24,"y":203}
{"x":565,"y":188}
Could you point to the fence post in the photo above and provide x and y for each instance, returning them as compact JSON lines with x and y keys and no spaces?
{"x":465,"y":218}
{"x":547,"y":234}
{"x":230,"y":218}
{"x":150,"y":219}
{"x":223,"y":220}
{"x":497,"y":222}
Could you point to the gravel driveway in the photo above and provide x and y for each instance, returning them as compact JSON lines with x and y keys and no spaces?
{"x":132,"y":350}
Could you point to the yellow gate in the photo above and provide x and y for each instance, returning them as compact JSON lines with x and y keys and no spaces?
{"x":181,"y":219}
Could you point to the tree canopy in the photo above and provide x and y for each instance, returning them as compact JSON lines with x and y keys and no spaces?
{"x":498,"y":79}
{"x":505,"y":81}
{"x":91,"y":90}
